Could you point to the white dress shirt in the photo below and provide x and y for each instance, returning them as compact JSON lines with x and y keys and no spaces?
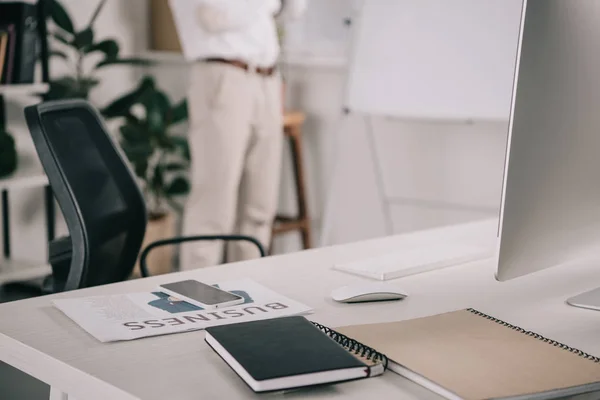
{"x":236,"y":29}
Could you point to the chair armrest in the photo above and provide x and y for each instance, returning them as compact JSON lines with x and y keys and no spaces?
{"x":183,"y":239}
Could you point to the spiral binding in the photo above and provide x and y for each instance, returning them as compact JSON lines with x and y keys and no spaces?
{"x":354,"y":346}
{"x":537,"y":336}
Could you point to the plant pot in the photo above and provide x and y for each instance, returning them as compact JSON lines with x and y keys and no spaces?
{"x":161,"y":259}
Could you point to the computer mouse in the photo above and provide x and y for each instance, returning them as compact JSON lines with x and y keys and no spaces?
{"x":366,"y":292}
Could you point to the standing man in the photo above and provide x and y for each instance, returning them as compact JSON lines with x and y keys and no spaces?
{"x":235,"y":109}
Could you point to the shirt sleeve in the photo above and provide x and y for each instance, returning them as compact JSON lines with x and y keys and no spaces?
{"x":217,"y":16}
{"x":292,"y":9}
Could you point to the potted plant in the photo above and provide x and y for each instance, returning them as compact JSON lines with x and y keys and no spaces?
{"x":159,"y":157}
{"x":77,"y":49}
{"x":8,"y":152}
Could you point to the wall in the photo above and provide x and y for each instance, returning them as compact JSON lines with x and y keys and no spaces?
{"x":436,"y":173}
{"x":125,"y":20}
{"x":432,"y":173}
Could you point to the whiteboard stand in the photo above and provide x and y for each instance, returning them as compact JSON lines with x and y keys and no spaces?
{"x":438,"y":69}
{"x":383,"y":199}
{"x":379,"y":180}
{"x":326,"y":220}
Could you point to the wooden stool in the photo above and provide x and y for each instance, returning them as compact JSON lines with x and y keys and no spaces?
{"x":292,"y":123}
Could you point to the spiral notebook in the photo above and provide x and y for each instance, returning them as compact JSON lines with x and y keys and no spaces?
{"x":467,"y":354}
{"x":291,"y":352}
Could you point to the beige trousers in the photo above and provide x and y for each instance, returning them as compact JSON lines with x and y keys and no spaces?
{"x":235,"y":142}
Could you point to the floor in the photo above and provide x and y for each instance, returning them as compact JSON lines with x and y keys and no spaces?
{"x":15,"y":385}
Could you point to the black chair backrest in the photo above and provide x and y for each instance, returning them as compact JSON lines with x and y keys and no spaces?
{"x":101,"y":202}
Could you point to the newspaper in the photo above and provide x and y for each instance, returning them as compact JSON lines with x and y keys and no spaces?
{"x":137,"y":315}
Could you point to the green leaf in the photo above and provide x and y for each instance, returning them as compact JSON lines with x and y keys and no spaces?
{"x":83,"y":39}
{"x":148,"y":82}
{"x":171,"y":167}
{"x":158,"y":178}
{"x":179,"y":186}
{"x":62,"y":39}
{"x":133,"y":134}
{"x":164,"y":104}
{"x":154,"y":116}
{"x":56,"y":53}
{"x":121,"y":106}
{"x":60,"y":17}
{"x":182,"y":145}
{"x":179,"y":113}
{"x":140,"y":168}
{"x":122,"y":61}
{"x":133,"y":120}
{"x":109,"y":47}
{"x":8,"y":154}
{"x":137,"y":152}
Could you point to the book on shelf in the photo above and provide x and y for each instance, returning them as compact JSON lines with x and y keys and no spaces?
{"x":3,"y":47}
{"x":8,"y":32}
{"x":18,"y":20}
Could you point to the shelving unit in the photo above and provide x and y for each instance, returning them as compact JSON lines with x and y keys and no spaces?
{"x":23,"y":90}
{"x":29,"y":172}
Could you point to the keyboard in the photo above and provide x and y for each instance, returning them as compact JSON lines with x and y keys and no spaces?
{"x":416,"y":260}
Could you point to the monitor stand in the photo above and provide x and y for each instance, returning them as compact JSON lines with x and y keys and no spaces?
{"x":589,"y":300}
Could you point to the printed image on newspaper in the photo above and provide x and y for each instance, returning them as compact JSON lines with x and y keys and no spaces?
{"x":137,"y":315}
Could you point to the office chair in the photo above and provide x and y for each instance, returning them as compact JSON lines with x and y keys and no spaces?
{"x":99,"y":197}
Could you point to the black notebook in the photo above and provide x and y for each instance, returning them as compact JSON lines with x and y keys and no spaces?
{"x":291,"y":352}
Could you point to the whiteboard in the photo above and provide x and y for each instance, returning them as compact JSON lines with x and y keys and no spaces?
{"x":435,"y":59}
{"x":321,"y":30}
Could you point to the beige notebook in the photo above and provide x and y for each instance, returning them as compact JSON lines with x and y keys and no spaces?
{"x":469,"y":355}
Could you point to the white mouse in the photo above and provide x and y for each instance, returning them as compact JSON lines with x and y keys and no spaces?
{"x":364,"y":292}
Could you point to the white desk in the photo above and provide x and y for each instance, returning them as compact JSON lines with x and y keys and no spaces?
{"x":41,"y":341}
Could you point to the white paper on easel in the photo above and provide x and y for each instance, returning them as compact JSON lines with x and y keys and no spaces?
{"x":188,"y":27}
{"x":434,"y":59}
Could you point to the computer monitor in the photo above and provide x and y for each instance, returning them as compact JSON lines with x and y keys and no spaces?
{"x":550,"y":208}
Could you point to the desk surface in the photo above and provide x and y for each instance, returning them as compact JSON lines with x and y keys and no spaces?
{"x":41,"y":341}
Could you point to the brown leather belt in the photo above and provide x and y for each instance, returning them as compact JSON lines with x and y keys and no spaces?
{"x":243,"y":65}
